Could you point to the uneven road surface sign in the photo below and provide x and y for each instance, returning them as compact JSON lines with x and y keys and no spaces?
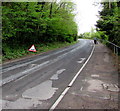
{"x":32,"y":48}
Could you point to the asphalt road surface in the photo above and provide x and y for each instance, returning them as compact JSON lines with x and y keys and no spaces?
{"x":37,"y":82}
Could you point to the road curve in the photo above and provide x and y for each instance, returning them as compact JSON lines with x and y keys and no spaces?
{"x":36,"y":82}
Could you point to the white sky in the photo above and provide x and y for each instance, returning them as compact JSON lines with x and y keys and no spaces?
{"x":86,"y":15}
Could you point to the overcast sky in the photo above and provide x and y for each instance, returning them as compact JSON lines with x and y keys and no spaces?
{"x":86,"y":15}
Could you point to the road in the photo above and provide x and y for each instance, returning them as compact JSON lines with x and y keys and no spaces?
{"x":37,"y":82}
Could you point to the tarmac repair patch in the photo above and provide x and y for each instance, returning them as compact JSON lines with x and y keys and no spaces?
{"x":111,"y":87}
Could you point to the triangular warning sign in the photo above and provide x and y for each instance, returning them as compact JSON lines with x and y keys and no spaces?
{"x":32,"y":48}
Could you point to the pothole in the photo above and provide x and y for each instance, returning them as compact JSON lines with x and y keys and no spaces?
{"x":55,"y":76}
{"x":32,"y":65}
{"x":111,"y":87}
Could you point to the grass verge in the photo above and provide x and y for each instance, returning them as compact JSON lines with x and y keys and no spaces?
{"x":14,"y":51}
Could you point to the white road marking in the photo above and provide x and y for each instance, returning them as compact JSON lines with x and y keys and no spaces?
{"x":71,"y":83}
{"x":24,"y":64}
{"x":28,"y":71}
{"x":31,"y":97}
{"x":60,"y":71}
{"x":82,"y":59}
{"x":59,"y":99}
{"x":81,"y":88}
{"x":36,"y":68}
{"x":32,"y":65}
{"x":95,"y":75}
{"x":55,"y":76}
{"x":20,"y":78}
{"x":62,"y":95}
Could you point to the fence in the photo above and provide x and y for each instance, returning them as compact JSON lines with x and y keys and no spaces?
{"x":112,"y":46}
{"x":116,"y":50}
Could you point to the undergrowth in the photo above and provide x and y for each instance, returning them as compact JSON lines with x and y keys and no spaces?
{"x":15,"y":51}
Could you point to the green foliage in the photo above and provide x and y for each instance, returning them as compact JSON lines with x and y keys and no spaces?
{"x":17,"y":51}
{"x":99,"y":35}
{"x":32,"y":22}
{"x":109,"y":22}
{"x":26,"y":23}
{"x":86,"y":35}
{"x":81,"y":36}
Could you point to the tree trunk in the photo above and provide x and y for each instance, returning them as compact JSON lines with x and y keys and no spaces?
{"x":42,"y":7}
{"x":58,"y":7}
{"x":51,"y":10}
{"x":118,"y":4}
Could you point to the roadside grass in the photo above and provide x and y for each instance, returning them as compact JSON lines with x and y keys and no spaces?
{"x":15,"y":51}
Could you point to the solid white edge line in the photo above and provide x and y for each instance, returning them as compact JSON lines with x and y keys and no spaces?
{"x":59,"y":99}
{"x":71,"y":83}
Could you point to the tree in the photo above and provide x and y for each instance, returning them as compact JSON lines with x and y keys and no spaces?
{"x":109,"y":22}
{"x":25,"y":22}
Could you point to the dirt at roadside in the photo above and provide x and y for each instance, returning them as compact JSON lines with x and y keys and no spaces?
{"x":97,"y":87}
